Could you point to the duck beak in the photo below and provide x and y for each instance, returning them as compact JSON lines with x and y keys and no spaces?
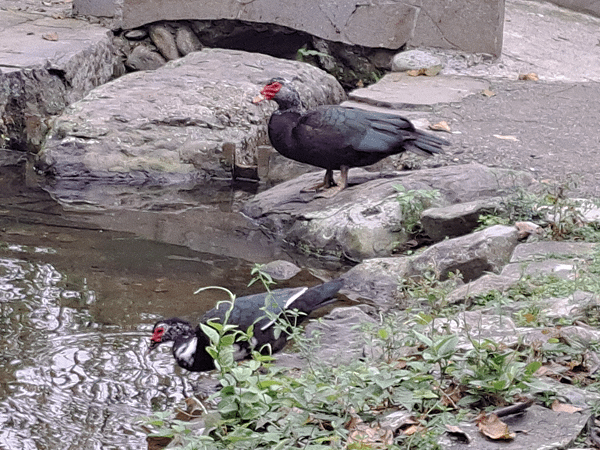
{"x":259,"y":98}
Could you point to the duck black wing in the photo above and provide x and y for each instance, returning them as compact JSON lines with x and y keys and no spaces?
{"x":335,"y":136}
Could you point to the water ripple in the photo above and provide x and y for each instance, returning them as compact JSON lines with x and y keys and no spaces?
{"x":68,"y":385}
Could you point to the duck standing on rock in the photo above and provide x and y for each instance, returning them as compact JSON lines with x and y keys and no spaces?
{"x":189,"y":343}
{"x":336,"y":137}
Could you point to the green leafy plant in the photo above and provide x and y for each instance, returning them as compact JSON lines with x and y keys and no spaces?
{"x":413,"y":202}
{"x":427,"y":290}
{"x":495,"y":374}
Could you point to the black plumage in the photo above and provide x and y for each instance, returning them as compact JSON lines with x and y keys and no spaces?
{"x":189,"y":343}
{"x":337,"y":138}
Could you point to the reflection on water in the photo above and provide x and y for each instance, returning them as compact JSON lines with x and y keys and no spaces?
{"x":68,"y":382}
{"x":80,"y":288}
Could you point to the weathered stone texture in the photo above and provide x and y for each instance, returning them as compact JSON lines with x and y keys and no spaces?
{"x":373,"y":24}
{"x":474,"y":26}
{"x":191,"y":119}
{"x":366,"y":220}
{"x":34,"y":87}
{"x":468,"y":25}
{"x":586,"y":6}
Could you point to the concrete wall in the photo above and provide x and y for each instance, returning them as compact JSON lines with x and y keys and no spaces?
{"x":470,"y":25}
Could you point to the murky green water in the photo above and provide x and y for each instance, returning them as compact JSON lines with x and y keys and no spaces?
{"x":81,"y":286}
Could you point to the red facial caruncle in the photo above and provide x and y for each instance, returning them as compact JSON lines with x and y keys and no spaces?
{"x":157,"y":335}
{"x":271,"y":89}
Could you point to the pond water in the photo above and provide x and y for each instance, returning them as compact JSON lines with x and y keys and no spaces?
{"x":83,"y":279}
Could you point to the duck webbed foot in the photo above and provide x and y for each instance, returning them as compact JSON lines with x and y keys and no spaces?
{"x":327,"y":183}
{"x":333,"y":189}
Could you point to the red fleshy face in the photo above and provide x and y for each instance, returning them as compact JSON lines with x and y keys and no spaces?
{"x":270,"y":90}
{"x":157,"y":335}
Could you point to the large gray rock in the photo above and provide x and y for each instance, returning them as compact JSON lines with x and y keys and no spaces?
{"x":488,"y":250}
{"x":366,"y":220}
{"x":189,"y":120}
{"x":40,"y":77}
{"x":457,"y":219}
{"x":586,"y":6}
{"x":376,"y":24}
{"x":481,"y":287}
{"x":561,"y":259}
{"x":337,"y":337}
{"x":378,"y":279}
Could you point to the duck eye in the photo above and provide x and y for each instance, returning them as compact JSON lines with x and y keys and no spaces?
{"x":158,"y":334}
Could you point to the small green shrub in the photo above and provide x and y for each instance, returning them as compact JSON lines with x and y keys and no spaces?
{"x":413,"y":202}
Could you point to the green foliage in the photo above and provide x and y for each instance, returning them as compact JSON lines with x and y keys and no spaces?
{"x":413,"y":202}
{"x":263,"y":406}
{"x":495,"y":374}
{"x":258,"y":274}
{"x":303,"y":54}
{"x":561,"y":217}
{"x":428,"y":291}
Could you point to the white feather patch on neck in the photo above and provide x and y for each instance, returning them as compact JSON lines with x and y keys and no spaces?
{"x":187,"y":350}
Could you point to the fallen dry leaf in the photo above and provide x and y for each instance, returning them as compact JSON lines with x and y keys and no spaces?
{"x":531,"y":76}
{"x":428,"y":71}
{"x":353,"y":422}
{"x":52,"y":36}
{"x":506,"y":138}
{"x":488,"y":93}
{"x":452,"y":395}
{"x":400,"y":364}
{"x":413,"y":429}
{"x":564,"y":407}
{"x":492,"y":427}
{"x":543,"y":370}
{"x":440,"y":126}
{"x":370,"y":437}
{"x":453,"y":429}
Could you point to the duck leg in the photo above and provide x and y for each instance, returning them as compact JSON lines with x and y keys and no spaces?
{"x":327,"y":183}
{"x":343,"y":184}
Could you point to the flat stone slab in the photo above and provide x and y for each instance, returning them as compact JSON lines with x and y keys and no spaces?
{"x":534,"y":251}
{"x":22,"y":42}
{"x":46,"y":63}
{"x":561,"y":259}
{"x":536,"y":429}
{"x":402,"y":91}
{"x":555,"y":43}
{"x":377,"y":23}
{"x":371,"y":24}
{"x":558,"y":267}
